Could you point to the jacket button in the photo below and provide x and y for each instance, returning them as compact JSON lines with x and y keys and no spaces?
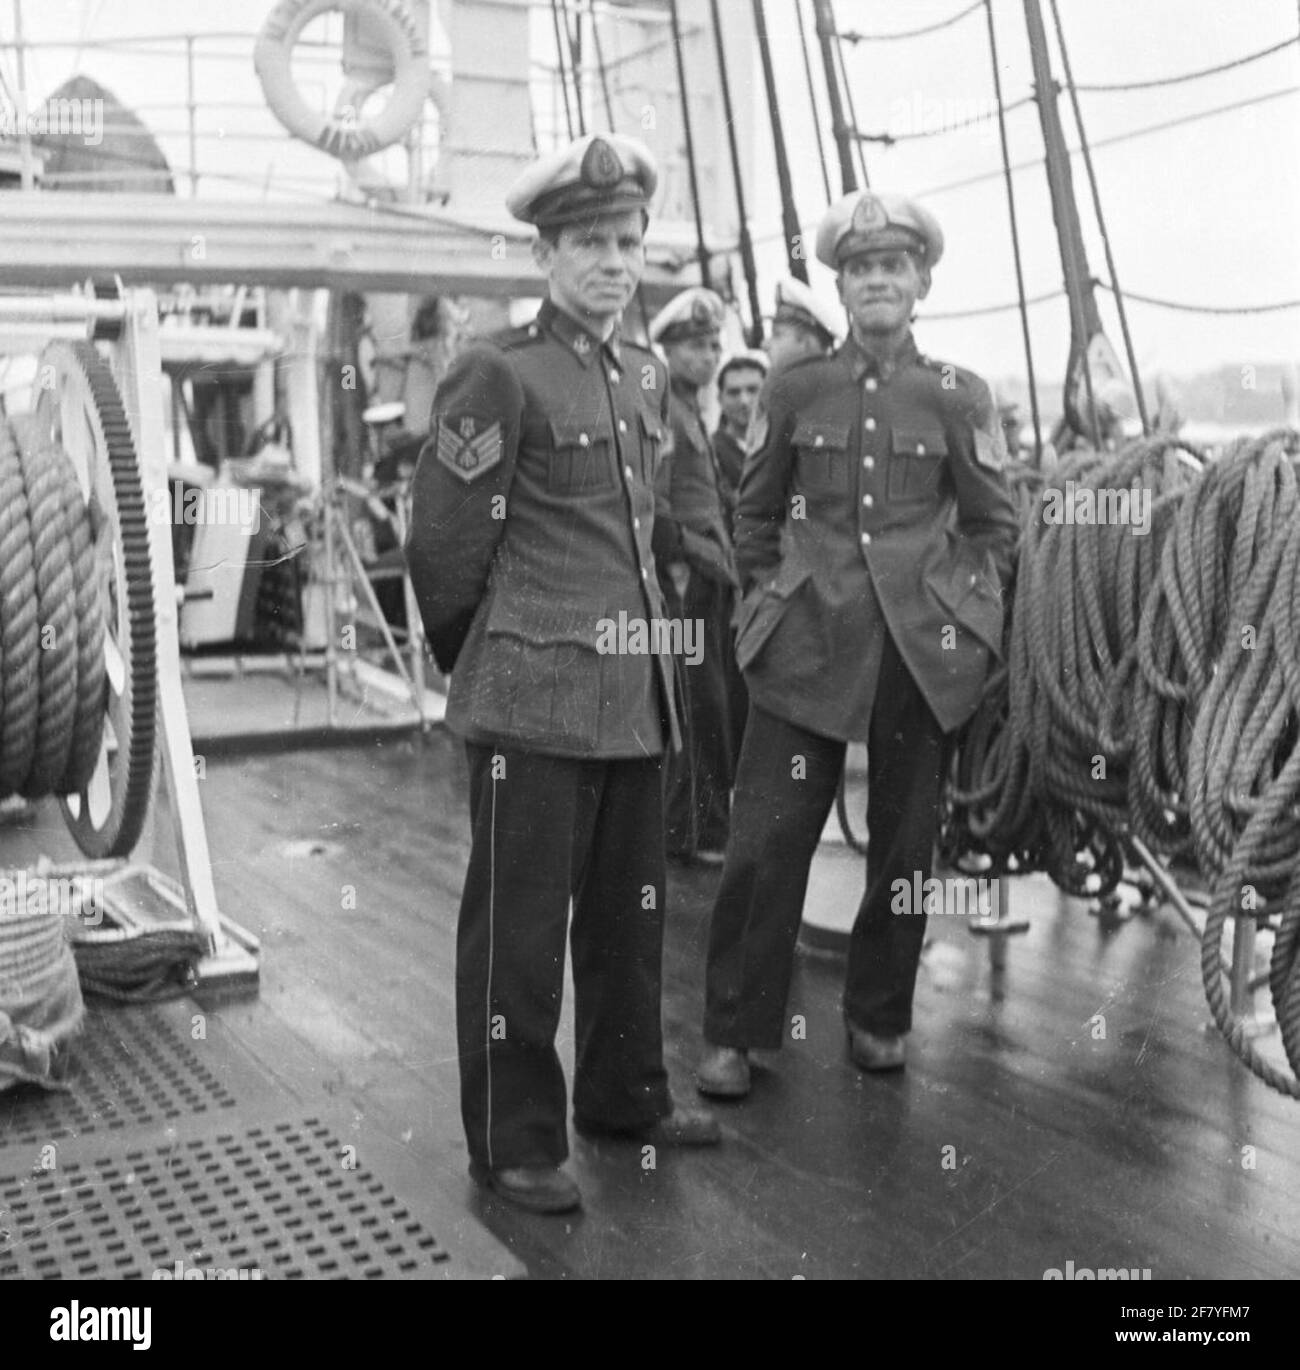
{"x":920,"y":449}
{"x":622,"y":425}
{"x":583,"y":440}
{"x":866,"y":539}
{"x":870,"y":425}
{"x":613,"y":375}
{"x":636,"y":522}
{"x":868,"y":463}
{"x":872,"y":383}
{"x":627,"y":471}
{"x":868,"y":501}
{"x":645,"y":575}
{"x":819,"y":441}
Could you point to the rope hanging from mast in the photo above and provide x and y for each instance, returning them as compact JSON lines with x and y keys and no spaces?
{"x":1015,"y":238}
{"x":1101,"y":222}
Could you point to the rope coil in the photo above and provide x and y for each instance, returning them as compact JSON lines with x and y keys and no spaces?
{"x":1152,"y":689}
{"x":51,"y":626}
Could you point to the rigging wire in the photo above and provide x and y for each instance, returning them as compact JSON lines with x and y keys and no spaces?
{"x":601,"y":69}
{"x":1098,"y":87}
{"x":979,"y":311}
{"x":1015,"y":235}
{"x":888,"y":139}
{"x":912,"y":33}
{"x":841,"y":131}
{"x":791,"y":229}
{"x":1115,"y":139}
{"x":812,"y":97}
{"x":1101,"y":222}
{"x":575,"y":65}
{"x":848,"y":98}
{"x":564,"y":78}
{"x":1219,"y":309}
{"x":701,"y":250}
{"x":1157,"y":302}
{"x":754,"y":336}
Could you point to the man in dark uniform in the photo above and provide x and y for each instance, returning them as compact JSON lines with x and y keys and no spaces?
{"x":531,"y":560}
{"x":874,"y":533}
{"x":697,"y":574}
{"x":739,"y":381}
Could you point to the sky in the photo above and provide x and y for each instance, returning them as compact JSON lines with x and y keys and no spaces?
{"x":1207,"y":213}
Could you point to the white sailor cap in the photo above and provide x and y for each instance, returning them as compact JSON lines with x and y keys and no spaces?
{"x":869,"y":221}
{"x":797,"y":303}
{"x":695,"y":313}
{"x":602,"y":173}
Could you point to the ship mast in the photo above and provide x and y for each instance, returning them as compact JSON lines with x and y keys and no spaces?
{"x":1085,"y":318}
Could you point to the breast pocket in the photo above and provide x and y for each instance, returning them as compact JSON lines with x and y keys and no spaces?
{"x":652,"y":446}
{"x":581,"y":462}
{"x":916,"y":459}
{"x":822,"y":456}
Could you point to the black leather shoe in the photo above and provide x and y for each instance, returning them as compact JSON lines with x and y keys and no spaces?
{"x":682,"y":1127}
{"x":870,"y":1052}
{"x":538,"y":1188}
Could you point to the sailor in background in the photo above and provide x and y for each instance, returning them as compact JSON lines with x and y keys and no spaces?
{"x":531,"y":534}
{"x":874,"y":533}
{"x":740,"y":379}
{"x":739,"y":382}
{"x":803,"y":326}
{"x":692,"y":543}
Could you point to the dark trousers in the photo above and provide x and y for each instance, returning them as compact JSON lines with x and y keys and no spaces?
{"x":785,"y":786}
{"x":737,"y":699}
{"x":546,"y":830}
{"x":697,"y":795}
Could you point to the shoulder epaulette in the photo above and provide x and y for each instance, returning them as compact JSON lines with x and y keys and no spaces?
{"x":518,"y":336}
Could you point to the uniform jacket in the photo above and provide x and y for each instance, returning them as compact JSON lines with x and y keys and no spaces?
{"x":872,"y":503}
{"x":533,"y":514}
{"x":730,"y":452}
{"x":691,"y":522}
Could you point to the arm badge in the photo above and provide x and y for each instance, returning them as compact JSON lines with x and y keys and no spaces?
{"x":469,"y":445}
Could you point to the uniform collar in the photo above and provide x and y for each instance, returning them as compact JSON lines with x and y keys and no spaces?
{"x":580,"y":341}
{"x":861,"y":364}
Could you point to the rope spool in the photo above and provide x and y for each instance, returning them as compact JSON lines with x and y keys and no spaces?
{"x":52,"y":666}
{"x":1153,"y":689}
{"x":109,"y":771}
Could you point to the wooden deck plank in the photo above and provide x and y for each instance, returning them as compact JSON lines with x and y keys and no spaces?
{"x":1121,"y":1152}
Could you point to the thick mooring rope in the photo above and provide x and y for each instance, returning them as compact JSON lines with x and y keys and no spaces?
{"x":1152,"y":689}
{"x":52,"y":674}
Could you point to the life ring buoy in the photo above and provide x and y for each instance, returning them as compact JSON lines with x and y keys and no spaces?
{"x":345,"y":136}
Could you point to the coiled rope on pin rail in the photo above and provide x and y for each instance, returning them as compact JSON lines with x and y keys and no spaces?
{"x":1152,"y":689}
